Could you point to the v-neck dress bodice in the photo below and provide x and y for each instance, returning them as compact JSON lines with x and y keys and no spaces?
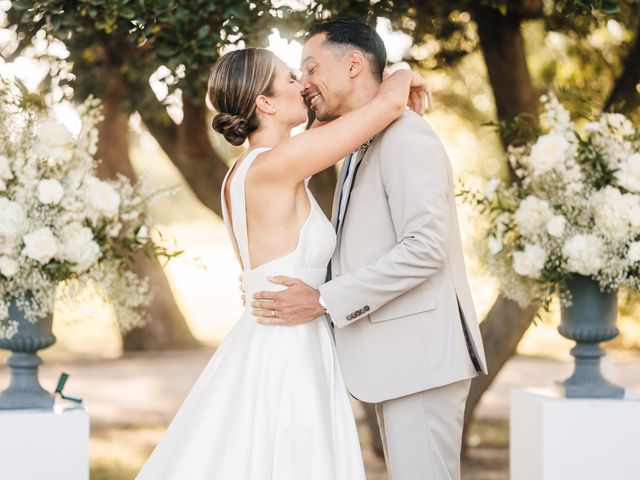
{"x":271,"y":404}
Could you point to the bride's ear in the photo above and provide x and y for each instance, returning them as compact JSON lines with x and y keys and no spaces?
{"x":264,"y":105}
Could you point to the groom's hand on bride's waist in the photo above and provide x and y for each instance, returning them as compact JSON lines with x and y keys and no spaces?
{"x":298,"y":304}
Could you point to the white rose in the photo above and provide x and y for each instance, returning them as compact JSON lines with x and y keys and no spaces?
{"x":634,"y":252}
{"x":8,"y":266}
{"x":78,"y":247}
{"x":530,"y":262}
{"x":53,"y":140}
{"x":3,"y":186}
{"x":583,"y":254}
{"x":491,"y":187}
{"x":556,"y":225}
{"x":12,"y":218}
{"x":40,"y":245}
{"x":495,"y":244}
{"x":50,"y":191}
{"x":5,"y":170}
{"x":10,"y":246}
{"x":612,"y":212}
{"x":548,"y":152}
{"x":628,"y":175}
{"x":102,"y":197}
{"x":532,"y":215}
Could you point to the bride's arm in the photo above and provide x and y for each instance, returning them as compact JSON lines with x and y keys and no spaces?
{"x":316,"y":149}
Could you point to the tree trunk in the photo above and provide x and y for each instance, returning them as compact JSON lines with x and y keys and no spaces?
{"x":501,"y":332}
{"x":625,"y":95}
{"x":505,"y":58}
{"x":504,"y":55}
{"x":167,"y":327}
{"x":189,"y":148}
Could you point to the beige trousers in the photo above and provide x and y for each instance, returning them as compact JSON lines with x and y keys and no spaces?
{"x":422,"y":433}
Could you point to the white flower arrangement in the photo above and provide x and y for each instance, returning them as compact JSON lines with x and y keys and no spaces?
{"x":574,"y":209}
{"x":60,"y":225}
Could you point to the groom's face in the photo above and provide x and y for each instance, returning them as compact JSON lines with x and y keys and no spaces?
{"x":325,"y":77}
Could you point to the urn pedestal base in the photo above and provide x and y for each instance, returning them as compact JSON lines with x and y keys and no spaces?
{"x":589,"y":320}
{"x":556,"y":438}
{"x":42,"y":444}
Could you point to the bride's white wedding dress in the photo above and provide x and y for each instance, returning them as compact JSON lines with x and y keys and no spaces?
{"x":271,"y":403}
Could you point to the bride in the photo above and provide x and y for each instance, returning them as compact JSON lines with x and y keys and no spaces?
{"x":271,"y":403}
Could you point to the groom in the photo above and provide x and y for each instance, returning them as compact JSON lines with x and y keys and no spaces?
{"x":397,"y":294}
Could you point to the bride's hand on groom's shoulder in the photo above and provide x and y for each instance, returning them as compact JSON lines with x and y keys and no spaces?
{"x":419,"y":94}
{"x":420,"y":97}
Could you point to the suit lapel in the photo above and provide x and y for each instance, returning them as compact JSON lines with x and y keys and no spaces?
{"x":336,"y":196}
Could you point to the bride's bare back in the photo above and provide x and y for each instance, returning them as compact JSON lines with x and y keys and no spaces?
{"x":275,"y":213}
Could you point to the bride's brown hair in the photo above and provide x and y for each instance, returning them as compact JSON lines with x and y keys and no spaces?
{"x":235,"y":81}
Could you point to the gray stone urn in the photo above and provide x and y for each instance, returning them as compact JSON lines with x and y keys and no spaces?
{"x":24,"y":390}
{"x":589,"y":320}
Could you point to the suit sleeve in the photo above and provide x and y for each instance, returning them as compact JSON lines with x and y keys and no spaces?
{"x":414,"y":170}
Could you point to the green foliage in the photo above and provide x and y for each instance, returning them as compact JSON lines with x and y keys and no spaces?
{"x":135,"y":37}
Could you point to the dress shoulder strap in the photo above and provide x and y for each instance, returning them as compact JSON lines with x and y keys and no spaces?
{"x":238,"y":204}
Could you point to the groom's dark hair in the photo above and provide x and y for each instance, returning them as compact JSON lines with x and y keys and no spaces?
{"x":353,"y":34}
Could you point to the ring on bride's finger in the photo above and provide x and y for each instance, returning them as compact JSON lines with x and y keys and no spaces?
{"x":273,"y":313}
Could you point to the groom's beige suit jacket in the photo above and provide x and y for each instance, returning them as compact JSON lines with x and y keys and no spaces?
{"x":399,"y":294}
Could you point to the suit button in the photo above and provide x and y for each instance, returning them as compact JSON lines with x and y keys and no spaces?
{"x":366,"y":308}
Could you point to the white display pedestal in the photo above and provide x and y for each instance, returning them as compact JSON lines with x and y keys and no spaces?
{"x":43,"y":444}
{"x":556,"y":438}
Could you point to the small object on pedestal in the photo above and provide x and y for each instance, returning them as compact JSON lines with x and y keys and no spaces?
{"x":24,"y":391}
{"x":589,"y":320}
{"x":64,"y":376}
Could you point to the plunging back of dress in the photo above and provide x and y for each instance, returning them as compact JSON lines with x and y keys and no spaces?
{"x":308,"y":261}
{"x":271,"y":403}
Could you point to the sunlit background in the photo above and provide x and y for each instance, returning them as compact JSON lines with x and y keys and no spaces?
{"x":204,"y":279}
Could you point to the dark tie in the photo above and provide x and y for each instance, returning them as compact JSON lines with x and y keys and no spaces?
{"x":344,"y":180}
{"x":347,"y":165}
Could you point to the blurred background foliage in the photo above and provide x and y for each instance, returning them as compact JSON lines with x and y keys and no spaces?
{"x":488,"y":62}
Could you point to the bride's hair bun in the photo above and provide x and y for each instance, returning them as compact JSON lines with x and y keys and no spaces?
{"x":233,"y":127}
{"x":236,"y":80}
